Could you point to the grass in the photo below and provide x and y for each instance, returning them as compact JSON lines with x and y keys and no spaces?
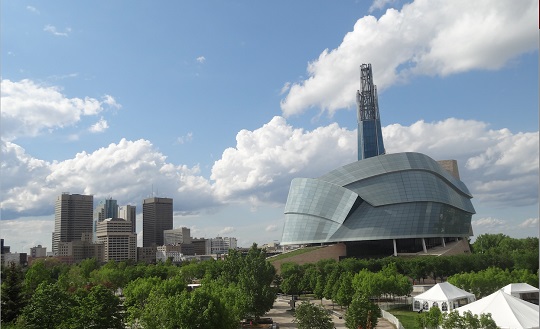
{"x":406,"y":317}
{"x":292,"y":253}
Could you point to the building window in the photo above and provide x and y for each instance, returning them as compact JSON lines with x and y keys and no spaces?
{"x":425,"y":306}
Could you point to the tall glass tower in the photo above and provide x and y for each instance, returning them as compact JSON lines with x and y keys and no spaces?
{"x":370,"y":140}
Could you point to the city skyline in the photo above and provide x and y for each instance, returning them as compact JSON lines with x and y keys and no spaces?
{"x":220,"y":105}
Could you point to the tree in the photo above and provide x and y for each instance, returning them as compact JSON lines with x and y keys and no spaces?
{"x":292,"y":278}
{"x":431,"y":319}
{"x":345,"y":291}
{"x":310,"y":316}
{"x":99,"y":309}
{"x":362,"y":313}
{"x":50,"y":307}
{"x":453,"y":320}
{"x":12,"y":292}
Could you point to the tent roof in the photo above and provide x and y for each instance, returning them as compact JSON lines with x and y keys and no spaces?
{"x":518,"y":288}
{"x":444,"y":291}
{"x":507,"y":311}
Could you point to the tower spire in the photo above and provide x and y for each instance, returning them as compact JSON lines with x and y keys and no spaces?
{"x":370,"y":140}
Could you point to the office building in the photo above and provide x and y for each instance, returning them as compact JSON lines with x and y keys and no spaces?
{"x":157,"y":217}
{"x":129,"y":213}
{"x":119,"y":242}
{"x":201,"y":246}
{"x":221,"y":245}
{"x":72,"y":218}
{"x":382,"y":204}
{"x":177,"y":236}
{"x":38,"y":251}
{"x":72,"y":252}
{"x":107,"y":208}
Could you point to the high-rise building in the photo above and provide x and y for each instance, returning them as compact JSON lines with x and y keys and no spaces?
{"x":129,"y":213}
{"x":370,"y":140}
{"x":72,"y":218}
{"x":157,"y":217}
{"x":119,"y":242}
{"x":221,"y":245}
{"x":177,"y":236}
{"x":107,"y":208}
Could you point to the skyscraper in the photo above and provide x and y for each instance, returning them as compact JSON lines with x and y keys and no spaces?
{"x":370,"y":140}
{"x":157,"y":217}
{"x":120,"y":243}
{"x":72,"y":218}
{"x":129,"y":213}
{"x":107,"y":208}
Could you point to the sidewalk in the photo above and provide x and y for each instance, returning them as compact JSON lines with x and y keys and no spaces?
{"x":280,"y":314}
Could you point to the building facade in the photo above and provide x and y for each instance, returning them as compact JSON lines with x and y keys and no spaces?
{"x":107,"y":208}
{"x":38,"y":251}
{"x":177,"y":236}
{"x":72,"y":218}
{"x":129,"y":213}
{"x":221,"y":245}
{"x":77,"y":250}
{"x":201,"y":246}
{"x":157,"y":217}
{"x":119,"y":242}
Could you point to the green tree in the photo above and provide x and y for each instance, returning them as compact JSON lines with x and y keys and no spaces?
{"x":430,"y":319}
{"x":49,"y":307}
{"x":136,"y":295}
{"x":12,"y":295}
{"x":362,"y":313}
{"x":292,"y":278}
{"x":345,"y":291}
{"x":453,"y":320}
{"x":310,"y":316}
{"x":99,"y":309}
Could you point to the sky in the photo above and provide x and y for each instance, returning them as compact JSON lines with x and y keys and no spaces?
{"x":220,"y":104}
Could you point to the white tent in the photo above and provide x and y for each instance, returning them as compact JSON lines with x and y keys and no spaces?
{"x":523,"y":291}
{"x":443,"y":295}
{"x":507,"y":311}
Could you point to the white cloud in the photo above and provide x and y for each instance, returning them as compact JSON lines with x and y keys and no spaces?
{"x":423,"y":38}
{"x":99,"y":126}
{"x":52,"y":29}
{"x":488,"y":222}
{"x":271,"y":228}
{"x":201,"y":59}
{"x":226,"y":230}
{"x":185,"y":139}
{"x":285,"y":88}
{"x":32,"y":9}
{"x":29,"y":109}
{"x":380,"y":4}
{"x":530,"y":223}
{"x":265,"y":160}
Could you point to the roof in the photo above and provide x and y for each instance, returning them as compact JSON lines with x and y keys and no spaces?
{"x":519,"y":288}
{"x":506,"y":310}
{"x":444,"y":291}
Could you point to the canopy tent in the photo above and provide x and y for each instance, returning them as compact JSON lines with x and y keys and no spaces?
{"x":443,"y":295}
{"x":507,"y":311}
{"x":523,"y":291}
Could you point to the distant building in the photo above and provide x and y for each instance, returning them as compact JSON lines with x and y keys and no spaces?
{"x":16,"y":257}
{"x":146,"y":254}
{"x":201,"y":246}
{"x":129,"y":213}
{"x":119,"y":242}
{"x":177,"y":236}
{"x":72,"y":218}
{"x":78,"y":250}
{"x":157,"y":217}
{"x":221,"y":245}
{"x":38,"y":251}
{"x":107,"y":208}
{"x":172,"y":252}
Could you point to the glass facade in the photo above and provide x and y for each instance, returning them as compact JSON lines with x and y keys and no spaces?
{"x":394,"y":196}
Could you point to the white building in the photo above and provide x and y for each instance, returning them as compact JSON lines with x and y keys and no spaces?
{"x":177,"y":236}
{"x":38,"y":251}
{"x":120,"y":243}
{"x":221,"y":245}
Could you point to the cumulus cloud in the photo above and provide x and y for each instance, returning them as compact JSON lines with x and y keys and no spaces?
{"x":201,"y":59}
{"x":271,"y":228}
{"x":99,"y":126}
{"x":265,"y":160}
{"x":380,"y":4}
{"x":423,"y":38}
{"x":259,"y":169}
{"x":126,"y":170}
{"x":29,"y":108}
{"x":185,"y":139}
{"x":488,"y":222}
{"x":530,"y":223}
{"x":54,"y":31}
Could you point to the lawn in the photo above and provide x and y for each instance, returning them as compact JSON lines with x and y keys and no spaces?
{"x":291,"y":253}
{"x":406,"y":317}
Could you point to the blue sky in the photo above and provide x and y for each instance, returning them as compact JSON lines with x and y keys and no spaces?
{"x":219,"y":104}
